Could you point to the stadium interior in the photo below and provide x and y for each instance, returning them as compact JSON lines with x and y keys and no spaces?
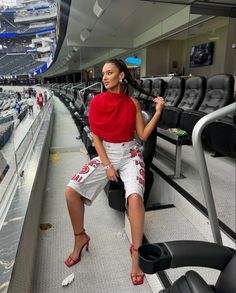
{"x":181,"y":50}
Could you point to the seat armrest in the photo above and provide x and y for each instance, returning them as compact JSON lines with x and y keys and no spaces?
{"x":173,"y":254}
{"x":197,"y":283}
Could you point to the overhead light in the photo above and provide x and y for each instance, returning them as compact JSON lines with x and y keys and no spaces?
{"x":214,"y":38}
{"x":99,"y":7}
{"x":84,"y":34}
{"x":75,"y":49}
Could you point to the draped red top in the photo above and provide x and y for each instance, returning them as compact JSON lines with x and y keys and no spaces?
{"x":112,"y":117}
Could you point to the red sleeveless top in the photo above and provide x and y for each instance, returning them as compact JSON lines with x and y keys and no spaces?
{"x":112,"y":117}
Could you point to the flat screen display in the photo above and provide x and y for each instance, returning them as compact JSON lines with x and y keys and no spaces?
{"x":201,"y":55}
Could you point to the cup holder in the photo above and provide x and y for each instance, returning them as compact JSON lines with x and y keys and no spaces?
{"x":150,"y":252}
{"x":153,"y":257}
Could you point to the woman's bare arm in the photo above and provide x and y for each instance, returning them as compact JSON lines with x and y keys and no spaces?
{"x":100,"y":150}
{"x":144,"y":131}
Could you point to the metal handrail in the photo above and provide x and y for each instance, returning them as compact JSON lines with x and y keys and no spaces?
{"x":82,"y":90}
{"x":78,"y":85}
{"x":202,"y":166}
{"x":92,"y":85}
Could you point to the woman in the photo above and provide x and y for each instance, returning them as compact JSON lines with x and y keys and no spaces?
{"x":114,"y":117}
{"x":40,"y":100}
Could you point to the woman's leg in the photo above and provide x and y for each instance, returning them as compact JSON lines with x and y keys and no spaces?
{"x":136,"y":219}
{"x":76,"y":211}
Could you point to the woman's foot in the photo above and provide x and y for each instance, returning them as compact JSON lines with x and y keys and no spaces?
{"x":137,"y":276}
{"x":81,"y":241}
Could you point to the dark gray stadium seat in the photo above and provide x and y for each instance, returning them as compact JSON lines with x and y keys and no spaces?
{"x":158,"y":87}
{"x":4,"y":167}
{"x":5,"y":135}
{"x":174,"y":91}
{"x":147,"y":86}
{"x":194,"y":92}
{"x":221,"y":136}
{"x":22,"y":114}
{"x":79,"y":108}
{"x":219,"y":93}
{"x":143,"y":99}
{"x":136,"y":93}
{"x":174,"y":254}
{"x":82,"y":119}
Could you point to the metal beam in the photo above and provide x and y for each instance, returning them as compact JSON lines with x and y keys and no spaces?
{"x":214,"y":9}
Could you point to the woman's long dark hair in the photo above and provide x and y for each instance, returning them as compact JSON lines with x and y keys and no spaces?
{"x":120,"y":64}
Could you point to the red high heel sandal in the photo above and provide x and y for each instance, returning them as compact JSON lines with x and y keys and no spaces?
{"x":137,"y":279}
{"x":70,"y":261}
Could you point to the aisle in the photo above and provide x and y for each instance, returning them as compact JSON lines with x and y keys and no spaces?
{"x":106,"y":267}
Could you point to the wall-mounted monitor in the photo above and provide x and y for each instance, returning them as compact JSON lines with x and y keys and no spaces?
{"x":201,"y":55}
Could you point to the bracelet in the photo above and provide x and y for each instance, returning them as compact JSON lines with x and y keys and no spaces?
{"x":107,"y":167}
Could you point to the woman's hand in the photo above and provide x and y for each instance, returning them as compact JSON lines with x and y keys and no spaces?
{"x":160,"y":103}
{"x":112,"y":174}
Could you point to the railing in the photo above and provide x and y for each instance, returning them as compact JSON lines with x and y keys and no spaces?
{"x":202,"y":166}
{"x":88,"y":87}
{"x":78,"y":85}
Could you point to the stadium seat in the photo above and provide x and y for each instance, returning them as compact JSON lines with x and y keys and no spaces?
{"x":221,"y":136}
{"x":158,"y":87}
{"x":193,"y":95}
{"x":175,"y":254}
{"x":219,"y":93}
{"x":78,"y":110}
{"x":136,"y":93}
{"x":4,"y":167}
{"x":143,"y":99}
{"x":174,"y":91}
{"x":5,"y":135}
{"x":147,"y":86}
{"x":82,"y":120}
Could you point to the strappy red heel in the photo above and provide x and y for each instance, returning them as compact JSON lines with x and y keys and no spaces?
{"x":137,"y":279}
{"x":70,"y":261}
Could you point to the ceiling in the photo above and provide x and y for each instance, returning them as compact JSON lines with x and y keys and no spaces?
{"x":122,"y":25}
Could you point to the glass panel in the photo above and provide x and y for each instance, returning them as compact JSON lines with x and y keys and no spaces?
{"x":18,"y":132}
{"x":8,"y":167}
{"x":189,"y":2}
{"x":163,"y":41}
{"x":210,"y":47}
{"x":201,"y":46}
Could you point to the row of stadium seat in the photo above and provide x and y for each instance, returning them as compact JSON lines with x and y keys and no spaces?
{"x":185,"y":105}
{"x":5,"y":134}
{"x":186,"y":101}
{"x":18,"y":64}
{"x":200,"y":97}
